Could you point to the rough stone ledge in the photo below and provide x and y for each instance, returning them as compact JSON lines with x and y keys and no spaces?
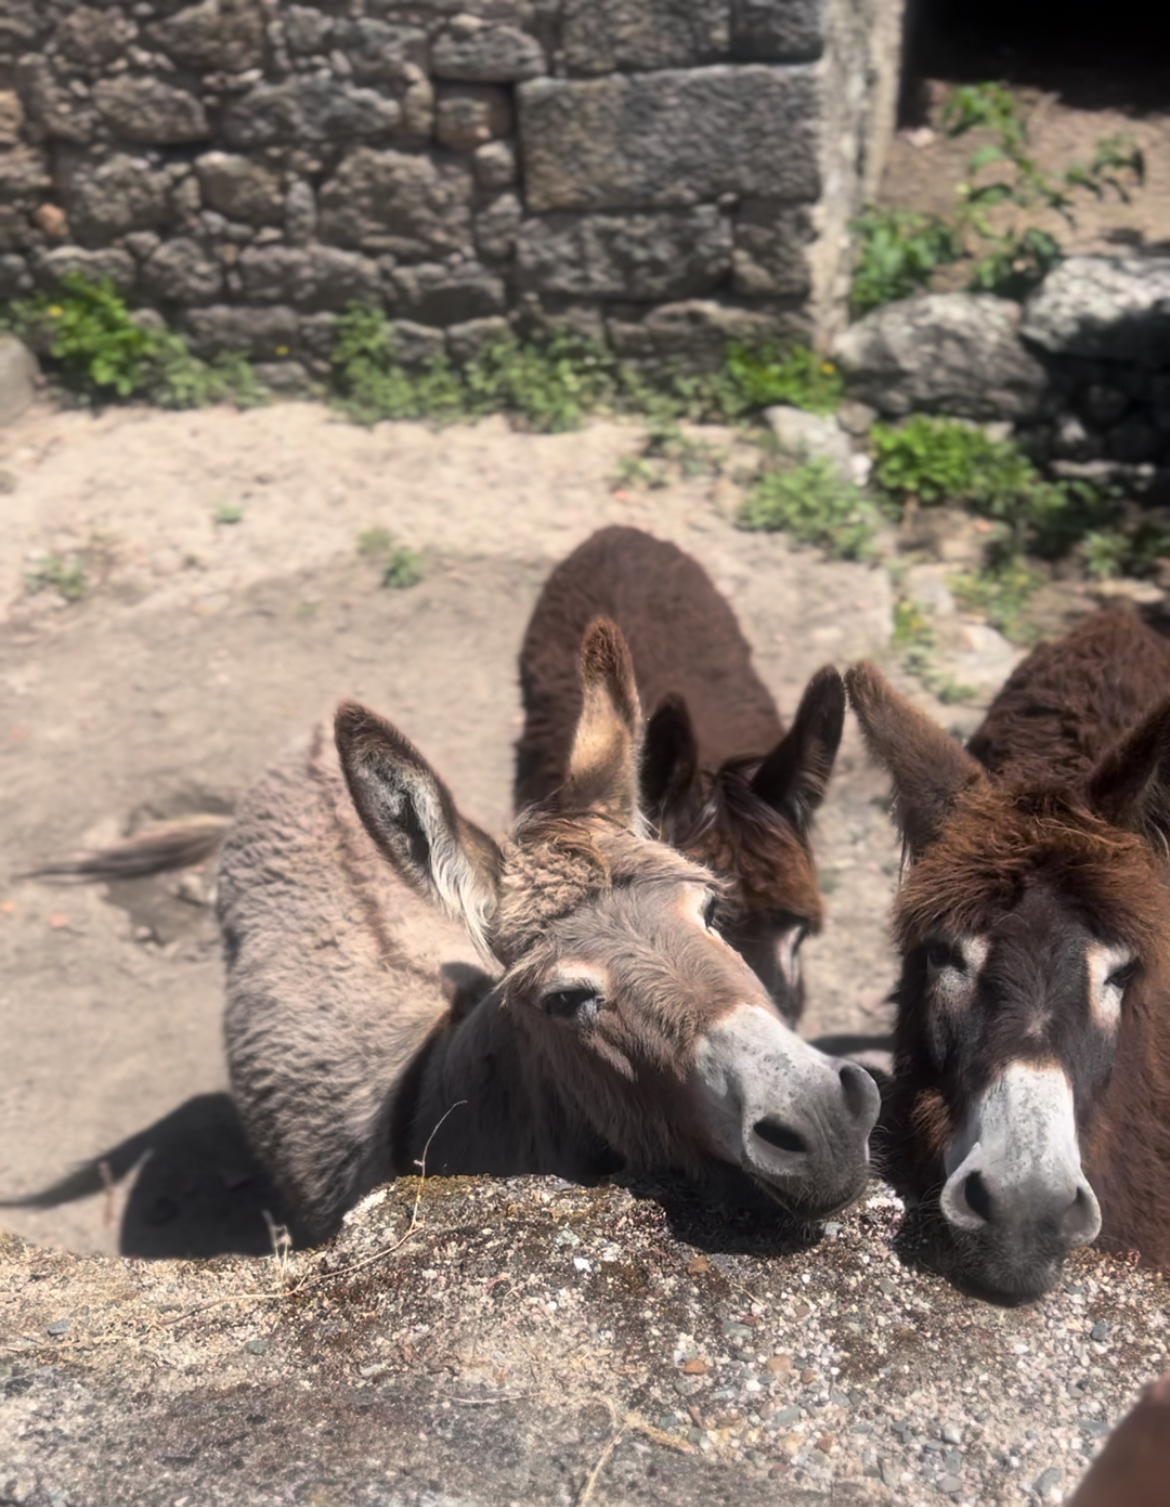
{"x":483,"y":1341}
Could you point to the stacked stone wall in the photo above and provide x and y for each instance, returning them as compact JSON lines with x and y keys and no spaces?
{"x":663,"y":173}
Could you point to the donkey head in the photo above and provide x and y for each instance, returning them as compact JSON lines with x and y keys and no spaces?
{"x":638,"y":1015}
{"x":751,"y":822}
{"x":1026,"y":921}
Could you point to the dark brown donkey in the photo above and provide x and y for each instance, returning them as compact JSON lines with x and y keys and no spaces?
{"x":721,"y":781}
{"x":1031,"y":1103}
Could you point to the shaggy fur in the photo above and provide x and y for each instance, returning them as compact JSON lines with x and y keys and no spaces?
{"x":708,"y":782}
{"x":1061,"y":801}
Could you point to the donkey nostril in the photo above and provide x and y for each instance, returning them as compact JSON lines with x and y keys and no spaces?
{"x":779,"y":1135}
{"x":860,"y":1092}
{"x":977,"y":1197}
{"x":1080,"y":1219}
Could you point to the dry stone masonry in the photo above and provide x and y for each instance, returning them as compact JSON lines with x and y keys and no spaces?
{"x":666,"y":173}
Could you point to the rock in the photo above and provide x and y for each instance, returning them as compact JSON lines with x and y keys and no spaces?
{"x":52,"y":111}
{"x":24,"y":174}
{"x":409,"y":204}
{"x":607,"y":36}
{"x":811,"y":436}
{"x":1110,"y":308}
{"x":291,"y":380}
{"x":1101,"y":404}
{"x":470,"y":339}
{"x":223,"y":35}
{"x":1072,"y":441}
{"x":417,"y":344}
{"x":380,"y":53}
{"x":1141,"y":594}
{"x":468,"y":115}
{"x":955,"y":353}
{"x":778,"y":31}
{"x":418,"y":108}
{"x":313,"y":109}
{"x":770,"y":258}
{"x":110,"y":263}
{"x":497,"y":226}
{"x":318,"y":277}
{"x":15,"y":278}
{"x":113,"y":198}
{"x":480,"y":52}
{"x":11,"y":117}
{"x":306,"y":30}
{"x":18,"y":378}
{"x":699,"y":331}
{"x":147,"y":110}
{"x":673,"y":254}
{"x":240,"y":188}
{"x":983,"y":658}
{"x":855,"y":418}
{"x":92,"y":38}
{"x":262,"y":334}
{"x":300,"y":213}
{"x":435,"y":295}
{"x":659,"y":140}
{"x":495,"y":165}
{"x":182,"y":272}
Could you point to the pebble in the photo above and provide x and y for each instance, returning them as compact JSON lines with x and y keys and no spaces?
{"x":949,"y":1485}
{"x":256,"y":1347}
{"x":59,"y":1328}
{"x":1099,"y":1331}
{"x":952,"y":1434}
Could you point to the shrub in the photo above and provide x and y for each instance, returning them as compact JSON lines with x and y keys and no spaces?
{"x":816,"y":505}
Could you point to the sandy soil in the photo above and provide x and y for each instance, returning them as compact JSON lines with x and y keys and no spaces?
{"x":203,"y":646}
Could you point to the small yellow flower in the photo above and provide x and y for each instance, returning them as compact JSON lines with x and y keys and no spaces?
{"x":56,"y":311}
{"x":282,"y":350}
{"x":828,"y":368}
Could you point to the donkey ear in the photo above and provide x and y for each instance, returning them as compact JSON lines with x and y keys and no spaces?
{"x":409,"y":813}
{"x":670,"y":760}
{"x":794,"y":776}
{"x":603,"y":767}
{"x":928,"y":767}
{"x":1130,"y":787}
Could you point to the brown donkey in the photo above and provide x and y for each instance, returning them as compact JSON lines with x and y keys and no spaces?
{"x":1031,"y":1102}
{"x":620,"y":1022}
{"x":720,"y":779}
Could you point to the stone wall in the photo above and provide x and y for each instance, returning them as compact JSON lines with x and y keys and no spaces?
{"x":665,"y":172}
{"x":1082,"y":370}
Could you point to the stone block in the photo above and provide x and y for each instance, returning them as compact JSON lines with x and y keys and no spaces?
{"x":110,"y":199}
{"x":663,"y":139}
{"x":316,"y":277}
{"x":480,"y":52}
{"x":770,"y":259}
{"x":495,"y":165}
{"x":306,"y":30}
{"x":406,"y":203}
{"x":182,"y":272}
{"x":468,"y":115}
{"x":268,"y":334}
{"x":309,"y":110}
{"x":778,"y":31}
{"x":417,"y":344}
{"x":18,"y":378}
{"x":24,"y":175}
{"x":147,"y":110}
{"x":955,"y":353}
{"x":436,"y":295}
{"x":1109,"y":308}
{"x":111,"y":263}
{"x":15,"y":278}
{"x":697,"y":333}
{"x":240,"y":188}
{"x":496,"y":227}
{"x":224,"y":35}
{"x":53,"y":112}
{"x":92,"y":38}
{"x":467,"y":341}
{"x":381,"y":53}
{"x":607,"y":36}
{"x":668,"y":255}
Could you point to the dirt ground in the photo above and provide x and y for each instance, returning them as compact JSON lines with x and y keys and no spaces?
{"x":202,"y":646}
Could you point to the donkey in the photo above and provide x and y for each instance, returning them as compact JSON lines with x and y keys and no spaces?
{"x":1030,"y":1109}
{"x":620,"y":1026}
{"x":720,"y":779}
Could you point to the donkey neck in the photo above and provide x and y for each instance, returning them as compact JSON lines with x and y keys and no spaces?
{"x":477,"y":1099}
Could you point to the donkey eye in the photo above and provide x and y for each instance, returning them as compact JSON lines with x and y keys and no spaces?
{"x":1121,"y":978}
{"x":577,"y":1006}
{"x":941,"y":954}
{"x":710,"y":911}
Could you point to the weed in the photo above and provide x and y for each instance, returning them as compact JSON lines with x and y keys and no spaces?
{"x":67,"y":577}
{"x":897,"y":254}
{"x":1000,"y":592}
{"x":666,"y":453}
{"x":816,"y":505}
{"x":914,"y":635}
{"x":1110,"y":552}
{"x":800,"y":379}
{"x":228,"y":512}
{"x":401,"y":567}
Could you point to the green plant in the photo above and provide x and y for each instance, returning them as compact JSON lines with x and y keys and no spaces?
{"x":816,"y":505}
{"x":914,"y":635}
{"x":896,"y":254}
{"x":1117,"y":551}
{"x":227,"y":513}
{"x":666,"y":453}
{"x":799,"y":378}
{"x":401,"y":567}
{"x":68,"y":578}
{"x":1000,"y":592}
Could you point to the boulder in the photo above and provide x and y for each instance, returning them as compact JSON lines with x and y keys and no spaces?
{"x":1108,"y":308}
{"x":481,"y":52}
{"x":309,"y":110}
{"x":436,"y":295}
{"x":671,"y":254}
{"x":18,"y":377}
{"x":147,"y":110}
{"x":468,"y":115}
{"x":811,"y":436}
{"x":660,"y":140}
{"x":114,"y":197}
{"x":182,"y":271}
{"x":495,"y":165}
{"x":607,"y":36}
{"x":956,"y":353}
{"x":316,"y":277}
{"x":92,"y":38}
{"x":381,"y":53}
{"x":240,"y":188}
{"x":223,"y":35}
{"x":402,"y":202}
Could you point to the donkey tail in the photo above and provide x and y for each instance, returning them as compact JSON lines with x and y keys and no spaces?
{"x":156,"y":850}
